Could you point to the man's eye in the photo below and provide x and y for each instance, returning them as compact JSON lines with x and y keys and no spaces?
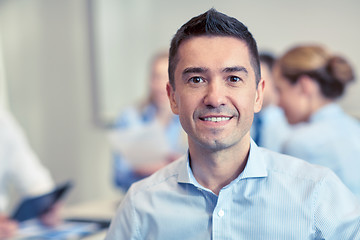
{"x":234,"y":79}
{"x":196,"y":80}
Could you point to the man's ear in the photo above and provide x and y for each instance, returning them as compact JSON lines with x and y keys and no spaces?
{"x":171,"y":95}
{"x":259,"y":96}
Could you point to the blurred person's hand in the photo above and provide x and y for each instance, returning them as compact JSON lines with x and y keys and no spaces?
{"x":52,"y":217}
{"x":172,"y":157}
{"x":8,"y":227}
{"x":150,"y":168}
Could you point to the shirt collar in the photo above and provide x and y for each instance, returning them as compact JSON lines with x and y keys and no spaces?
{"x":184,"y":170}
{"x":255,"y":167}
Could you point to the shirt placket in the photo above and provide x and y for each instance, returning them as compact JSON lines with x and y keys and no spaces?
{"x":221,"y":216}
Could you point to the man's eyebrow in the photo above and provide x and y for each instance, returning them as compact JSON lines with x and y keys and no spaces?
{"x":235,"y":69}
{"x":194,"y":70}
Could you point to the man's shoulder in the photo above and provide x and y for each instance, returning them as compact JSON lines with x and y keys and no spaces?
{"x":282,"y":164}
{"x":164,"y":178}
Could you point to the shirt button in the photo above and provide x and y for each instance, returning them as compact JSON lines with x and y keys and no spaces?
{"x":221,"y":213}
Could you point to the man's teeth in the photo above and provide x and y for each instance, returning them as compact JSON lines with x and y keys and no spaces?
{"x":216,"y":119}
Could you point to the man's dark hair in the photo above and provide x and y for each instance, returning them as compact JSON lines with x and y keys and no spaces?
{"x":213,"y":23}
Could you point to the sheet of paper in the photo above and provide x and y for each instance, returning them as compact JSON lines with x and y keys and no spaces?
{"x":147,"y":144}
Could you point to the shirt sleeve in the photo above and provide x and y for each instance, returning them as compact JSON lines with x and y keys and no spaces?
{"x":124,"y":224}
{"x":25,"y":170}
{"x":337,"y":210}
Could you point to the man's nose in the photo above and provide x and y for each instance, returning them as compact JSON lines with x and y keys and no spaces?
{"x":215,"y":94}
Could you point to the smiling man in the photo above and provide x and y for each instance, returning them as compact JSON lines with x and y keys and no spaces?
{"x":226,"y":187}
{"x":215,"y":94}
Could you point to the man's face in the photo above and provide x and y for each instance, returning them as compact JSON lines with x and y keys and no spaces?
{"x":216,"y":94}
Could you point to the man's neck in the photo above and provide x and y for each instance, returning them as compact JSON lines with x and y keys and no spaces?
{"x":216,"y":169}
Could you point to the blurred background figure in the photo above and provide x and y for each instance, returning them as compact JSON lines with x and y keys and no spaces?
{"x":270,"y":127}
{"x":21,"y":171}
{"x":147,"y":136}
{"x":310,"y":79}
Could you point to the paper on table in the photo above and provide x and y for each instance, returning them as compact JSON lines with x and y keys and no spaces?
{"x":33,"y":229}
{"x":138,"y":146}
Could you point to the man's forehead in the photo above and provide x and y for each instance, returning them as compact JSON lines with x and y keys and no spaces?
{"x":222,"y":51}
{"x":213,"y":43}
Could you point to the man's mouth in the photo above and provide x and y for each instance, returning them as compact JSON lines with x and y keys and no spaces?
{"x":215,"y":119}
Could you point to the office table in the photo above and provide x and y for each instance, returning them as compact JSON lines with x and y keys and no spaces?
{"x":97,"y":210}
{"x":79,"y":219}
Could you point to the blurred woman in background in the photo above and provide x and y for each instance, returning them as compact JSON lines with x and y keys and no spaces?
{"x":310,"y":80}
{"x":147,"y":136}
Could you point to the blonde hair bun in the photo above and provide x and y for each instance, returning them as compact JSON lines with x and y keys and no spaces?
{"x":340,"y":69}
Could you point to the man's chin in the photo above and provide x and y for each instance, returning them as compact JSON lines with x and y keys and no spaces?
{"x":215,"y":145}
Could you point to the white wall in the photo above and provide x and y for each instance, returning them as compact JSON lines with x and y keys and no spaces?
{"x":46,"y":56}
{"x":3,"y":87}
{"x":48,"y":65}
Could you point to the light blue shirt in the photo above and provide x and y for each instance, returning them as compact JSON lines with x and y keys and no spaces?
{"x":331,"y":138}
{"x":133,"y":118}
{"x":275,"y":197}
{"x":270,"y":128}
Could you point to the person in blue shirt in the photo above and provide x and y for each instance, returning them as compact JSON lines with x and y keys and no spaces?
{"x":310,"y":79}
{"x":270,"y":127}
{"x":152,"y":116}
{"x":226,"y":187}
